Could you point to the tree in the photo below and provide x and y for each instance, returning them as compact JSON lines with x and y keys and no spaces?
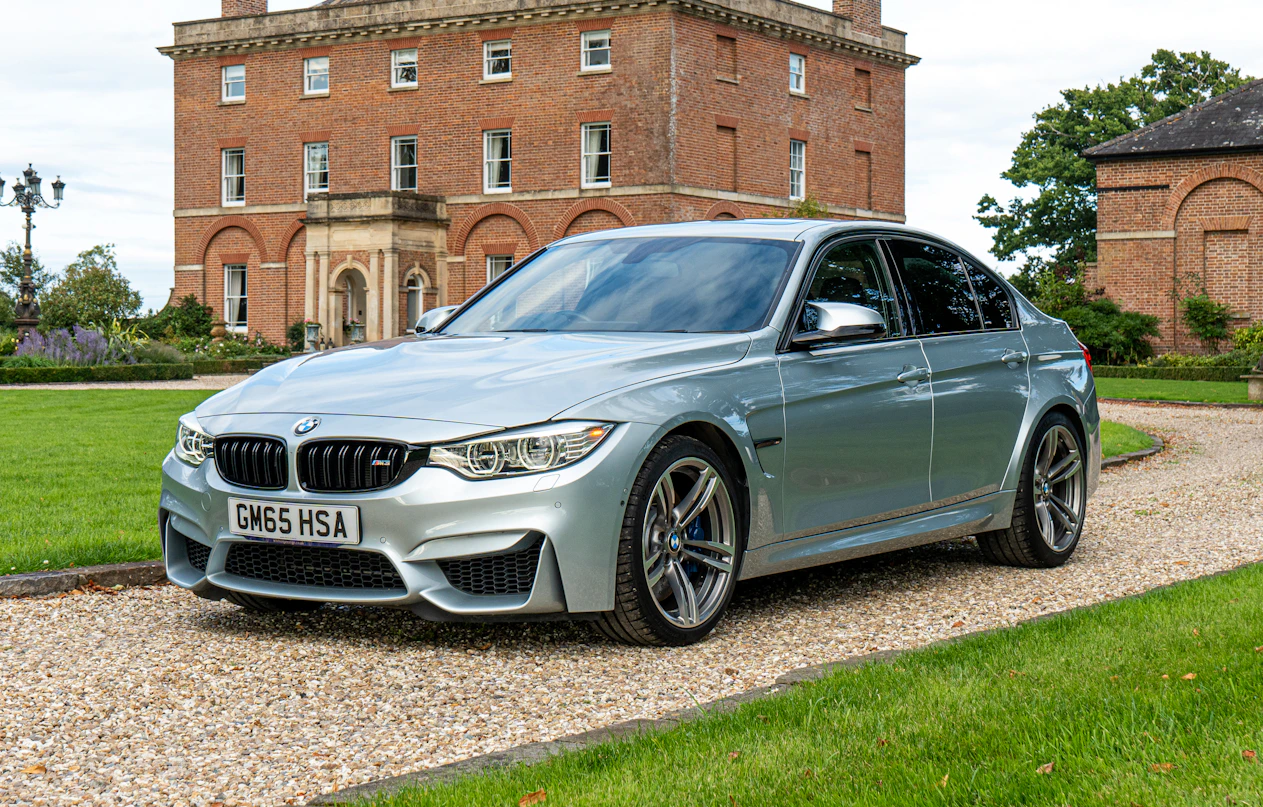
{"x":92,"y":291}
{"x":1057,"y":226}
{"x":187,"y":318}
{"x":11,"y":271}
{"x":6,"y":310}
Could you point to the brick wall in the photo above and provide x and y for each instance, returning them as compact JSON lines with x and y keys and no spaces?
{"x":1168,"y":223}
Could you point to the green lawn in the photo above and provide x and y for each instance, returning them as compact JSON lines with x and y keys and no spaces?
{"x":1119,"y":439}
{"x":79,"y":471}
{"x":1161,"y":390}
{"x":1107,"y":696}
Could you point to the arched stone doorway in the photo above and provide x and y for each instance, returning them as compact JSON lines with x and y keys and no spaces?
{"x":416,"y":286}
{"x":348,"y":302}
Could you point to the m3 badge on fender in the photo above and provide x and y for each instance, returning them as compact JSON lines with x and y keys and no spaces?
{"x":306,"y":425}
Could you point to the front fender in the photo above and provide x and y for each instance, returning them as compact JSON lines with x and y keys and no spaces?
{"x":743,"y":402}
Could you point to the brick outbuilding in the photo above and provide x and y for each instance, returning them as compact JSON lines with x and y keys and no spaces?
{"x":1183,"y":199}
{"x":372,"y":160}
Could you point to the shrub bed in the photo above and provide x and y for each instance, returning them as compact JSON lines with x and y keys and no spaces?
{"x":1172,"y":373}
{"x":118,"y":372}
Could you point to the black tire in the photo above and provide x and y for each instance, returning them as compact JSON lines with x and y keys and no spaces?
{"x":1022,"y":544}
{"x":271,"y":605}
{"x":636,"y":618}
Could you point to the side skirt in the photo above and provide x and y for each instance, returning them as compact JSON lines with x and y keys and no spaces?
{"x":991,"y":512}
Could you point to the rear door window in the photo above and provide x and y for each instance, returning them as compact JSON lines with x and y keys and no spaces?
{"x":852,"y":273}
{"x":993,"y":300}
{"x":937,"y":287}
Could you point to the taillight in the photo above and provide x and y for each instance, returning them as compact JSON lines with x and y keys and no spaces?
{"x":1087,"y":355}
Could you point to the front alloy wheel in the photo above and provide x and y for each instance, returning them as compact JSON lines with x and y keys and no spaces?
{"x":680,"y":548}
{"x":688,"y":543}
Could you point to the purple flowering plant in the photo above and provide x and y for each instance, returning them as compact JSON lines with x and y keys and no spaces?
{"x":83,"y":347}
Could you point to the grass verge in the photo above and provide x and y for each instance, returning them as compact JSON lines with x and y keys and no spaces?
{"x":1117,"y":438}
{"x":1146,"y":701}
{"x":1161,"y":390}
{"x":79,"y":471}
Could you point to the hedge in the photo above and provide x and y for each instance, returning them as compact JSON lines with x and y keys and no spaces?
{"x":117,"y":372}
{"x":232,"y":366}
{"x":1173,"y":373}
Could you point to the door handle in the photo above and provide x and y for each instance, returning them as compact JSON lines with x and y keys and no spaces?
{"x":1014,"y":357}
{"x":913,"y":375}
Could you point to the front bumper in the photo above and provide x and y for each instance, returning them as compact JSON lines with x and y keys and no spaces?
{"x":572,"y":515}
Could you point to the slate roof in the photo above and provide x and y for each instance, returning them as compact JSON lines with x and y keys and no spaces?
{"x":1229,"y":122}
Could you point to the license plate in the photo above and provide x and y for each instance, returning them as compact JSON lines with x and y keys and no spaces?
{"x":286,"y":521}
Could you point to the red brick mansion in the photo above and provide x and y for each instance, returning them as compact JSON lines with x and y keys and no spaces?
{"x":371,"y":160}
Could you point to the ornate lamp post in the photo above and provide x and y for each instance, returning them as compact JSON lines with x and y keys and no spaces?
{"x":27,"y":198}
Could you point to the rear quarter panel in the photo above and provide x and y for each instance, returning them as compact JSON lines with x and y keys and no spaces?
{"x":1059,"y":377}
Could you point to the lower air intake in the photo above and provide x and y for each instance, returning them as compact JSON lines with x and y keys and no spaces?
{"x":197,"y":553}
{"x":508,"y":573}
{"x":312,"y":566}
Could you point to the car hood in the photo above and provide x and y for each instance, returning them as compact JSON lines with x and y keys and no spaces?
{"x":495,"y":380}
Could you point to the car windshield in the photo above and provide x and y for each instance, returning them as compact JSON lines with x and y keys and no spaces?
{"x":644,"y":285}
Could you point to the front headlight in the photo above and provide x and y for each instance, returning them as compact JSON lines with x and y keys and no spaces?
{"x":530,"y":450}
{"x":192,"y":444}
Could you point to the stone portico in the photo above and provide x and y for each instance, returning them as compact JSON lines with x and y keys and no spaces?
{"x":366,"y":252}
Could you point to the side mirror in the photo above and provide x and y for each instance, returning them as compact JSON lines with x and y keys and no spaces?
{"x":840,"y":322}
{"x":435,"y":317}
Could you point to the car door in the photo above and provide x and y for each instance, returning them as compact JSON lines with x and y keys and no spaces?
{"x":857,"y":438}
{"x":978,"y":363}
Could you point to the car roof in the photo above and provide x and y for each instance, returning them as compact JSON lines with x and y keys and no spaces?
{"x":781,"y":229}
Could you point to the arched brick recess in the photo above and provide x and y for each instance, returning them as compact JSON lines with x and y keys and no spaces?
{"x":724,"y":207}
{"x":495,"y":209}
{"x":225,"y":223}
{"x":593,"y":221}
{"x":1217,"y":246}
{"x":293,"y":230}
{"x":492,"y":235}
{"x":1198,"y":178}
{"x":587,"y":205}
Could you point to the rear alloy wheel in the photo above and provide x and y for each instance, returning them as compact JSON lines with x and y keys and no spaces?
{"x":1051,"y":500}
{"x":680,"y":549}
{"x":271,"y":605}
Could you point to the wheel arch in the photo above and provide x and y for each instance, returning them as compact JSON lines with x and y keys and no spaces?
{"x":726,"y":447}
{"x":1066,"y":406}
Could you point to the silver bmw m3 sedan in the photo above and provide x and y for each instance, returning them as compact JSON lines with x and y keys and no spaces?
{"x":629,"y":422}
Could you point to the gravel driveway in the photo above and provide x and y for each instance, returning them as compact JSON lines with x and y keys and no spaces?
{"x":206,"y":382}
{"x":155,"y":697}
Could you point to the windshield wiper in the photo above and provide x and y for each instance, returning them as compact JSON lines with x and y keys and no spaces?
{"x":521,"y":330}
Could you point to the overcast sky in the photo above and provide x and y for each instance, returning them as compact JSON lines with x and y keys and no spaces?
{"x":92,"y":101}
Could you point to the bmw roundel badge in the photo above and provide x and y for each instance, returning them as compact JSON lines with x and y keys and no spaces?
{"x":306,"y":425}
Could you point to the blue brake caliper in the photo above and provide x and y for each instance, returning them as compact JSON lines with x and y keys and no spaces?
{"x":693,"y":532}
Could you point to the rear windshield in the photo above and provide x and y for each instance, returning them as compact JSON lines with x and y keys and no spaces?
{"x":642,"y":285}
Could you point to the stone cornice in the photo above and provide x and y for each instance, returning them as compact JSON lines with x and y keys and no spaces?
{"x":392,"y":19}
{"x":385,"y":206}
{"x":340,"y":210}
